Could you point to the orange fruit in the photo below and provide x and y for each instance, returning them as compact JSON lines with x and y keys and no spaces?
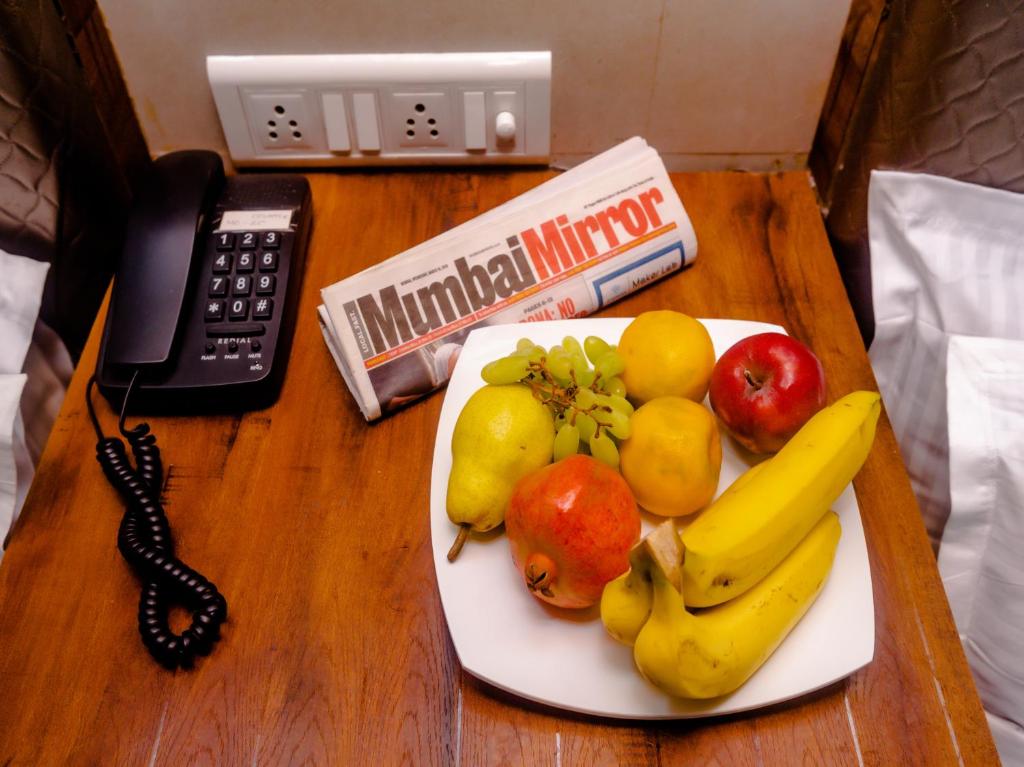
{"x":666,"y":353}
{"x":673,"y":457}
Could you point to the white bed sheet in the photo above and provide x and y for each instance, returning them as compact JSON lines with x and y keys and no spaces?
{"x":947,"y":264}
{"x":946,"y":258}
{"x":34,"y":372}
{"x":981,"y":561}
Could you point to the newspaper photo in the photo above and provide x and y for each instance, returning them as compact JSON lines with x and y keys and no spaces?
{"x":565,"y":249}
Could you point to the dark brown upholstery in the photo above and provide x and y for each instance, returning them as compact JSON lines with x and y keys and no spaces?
{"x":62,"y":196}
{"x":946,"y":96}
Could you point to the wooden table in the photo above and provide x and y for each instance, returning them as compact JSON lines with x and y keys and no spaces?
{"x":315,"y":526}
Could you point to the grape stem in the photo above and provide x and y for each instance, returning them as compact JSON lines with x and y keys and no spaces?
{"x":460,"y":541}
{"x":563,"y":398}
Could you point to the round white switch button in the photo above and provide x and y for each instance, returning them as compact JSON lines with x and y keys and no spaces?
{"x":505,"y":126}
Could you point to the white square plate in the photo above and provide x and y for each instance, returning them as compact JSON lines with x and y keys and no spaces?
{"x":564,"y":658}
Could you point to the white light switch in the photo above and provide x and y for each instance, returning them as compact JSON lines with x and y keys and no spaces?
{"x":337,"y":122}
{"x":505,"y":126}
{"x":476,"y":122}
{"x":364,"y":109}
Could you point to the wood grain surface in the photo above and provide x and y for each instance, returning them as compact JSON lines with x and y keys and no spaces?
{"x":315,"y":526}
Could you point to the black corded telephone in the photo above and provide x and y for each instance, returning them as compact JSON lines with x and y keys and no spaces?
{"x":200,"y":318}
{"x":204,"y":300}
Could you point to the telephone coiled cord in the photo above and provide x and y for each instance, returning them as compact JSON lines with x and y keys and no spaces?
{"x":144,"y":540}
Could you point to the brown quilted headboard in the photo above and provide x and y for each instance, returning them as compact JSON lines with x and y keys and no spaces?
{"x":944,"y":94}
{"x":62,"y":194}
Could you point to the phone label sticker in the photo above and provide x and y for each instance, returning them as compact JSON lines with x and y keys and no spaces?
{"x":254,"y":220}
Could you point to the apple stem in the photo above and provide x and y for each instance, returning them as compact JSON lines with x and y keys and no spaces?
{"x":751,"y":380}
{"x":460,"y":541}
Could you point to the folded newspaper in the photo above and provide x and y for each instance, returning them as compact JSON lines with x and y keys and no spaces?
{"x":564,"y":249}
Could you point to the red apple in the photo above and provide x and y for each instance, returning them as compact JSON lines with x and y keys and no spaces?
{"x":764,"y":388}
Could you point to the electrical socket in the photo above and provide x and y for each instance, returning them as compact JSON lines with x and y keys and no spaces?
{"x":384,"y":109}
{"x":279,"y":120}
{"x":421,"y":119}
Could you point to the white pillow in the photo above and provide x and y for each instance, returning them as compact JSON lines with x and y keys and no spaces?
{"x":21,"y":291}
{"x":946,"y":258}
{"x":49,"y":369}
{"x":16,"y":468}
{"x":982,"y":554}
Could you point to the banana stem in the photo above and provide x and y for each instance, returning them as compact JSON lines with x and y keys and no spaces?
{"x":460,"y":541}
{"x":665,"y":550}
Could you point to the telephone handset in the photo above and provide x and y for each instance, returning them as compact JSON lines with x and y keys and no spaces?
{"x":204,"y":300}
{"x":201,"y":318}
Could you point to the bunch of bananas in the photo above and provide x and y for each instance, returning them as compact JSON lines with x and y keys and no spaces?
{"x":756,"y":558}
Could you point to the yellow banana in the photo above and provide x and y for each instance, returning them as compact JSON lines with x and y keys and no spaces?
{"x":626,"y":601}
{"x":714,"y":652}
{"x":753,"y":525}
{"x":760,"y":517}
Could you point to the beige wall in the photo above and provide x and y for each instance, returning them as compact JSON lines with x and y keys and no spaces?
{"x":709,"y":83}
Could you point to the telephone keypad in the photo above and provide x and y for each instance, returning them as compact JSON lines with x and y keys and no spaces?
{"x":245,"y":262}
{"x":268,"y":262}
{"x":242,"y":285}
{"x":263,"y":308}
{"x":222,"y":263}
{"x":214,"y":311}
{"x":238,"y":276}
{"x":238,"y":309}
{"x":265,"y":284}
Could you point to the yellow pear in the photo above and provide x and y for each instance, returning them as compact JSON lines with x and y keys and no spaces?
{"x":502,"y":434}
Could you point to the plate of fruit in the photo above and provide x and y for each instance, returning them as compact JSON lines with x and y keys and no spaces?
{"x":651,"y":518}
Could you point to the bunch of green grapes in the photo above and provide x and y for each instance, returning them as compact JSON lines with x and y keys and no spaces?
{"x":581,"y":385}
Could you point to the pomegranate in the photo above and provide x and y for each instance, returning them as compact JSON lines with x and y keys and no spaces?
{"x":571,"y":525}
